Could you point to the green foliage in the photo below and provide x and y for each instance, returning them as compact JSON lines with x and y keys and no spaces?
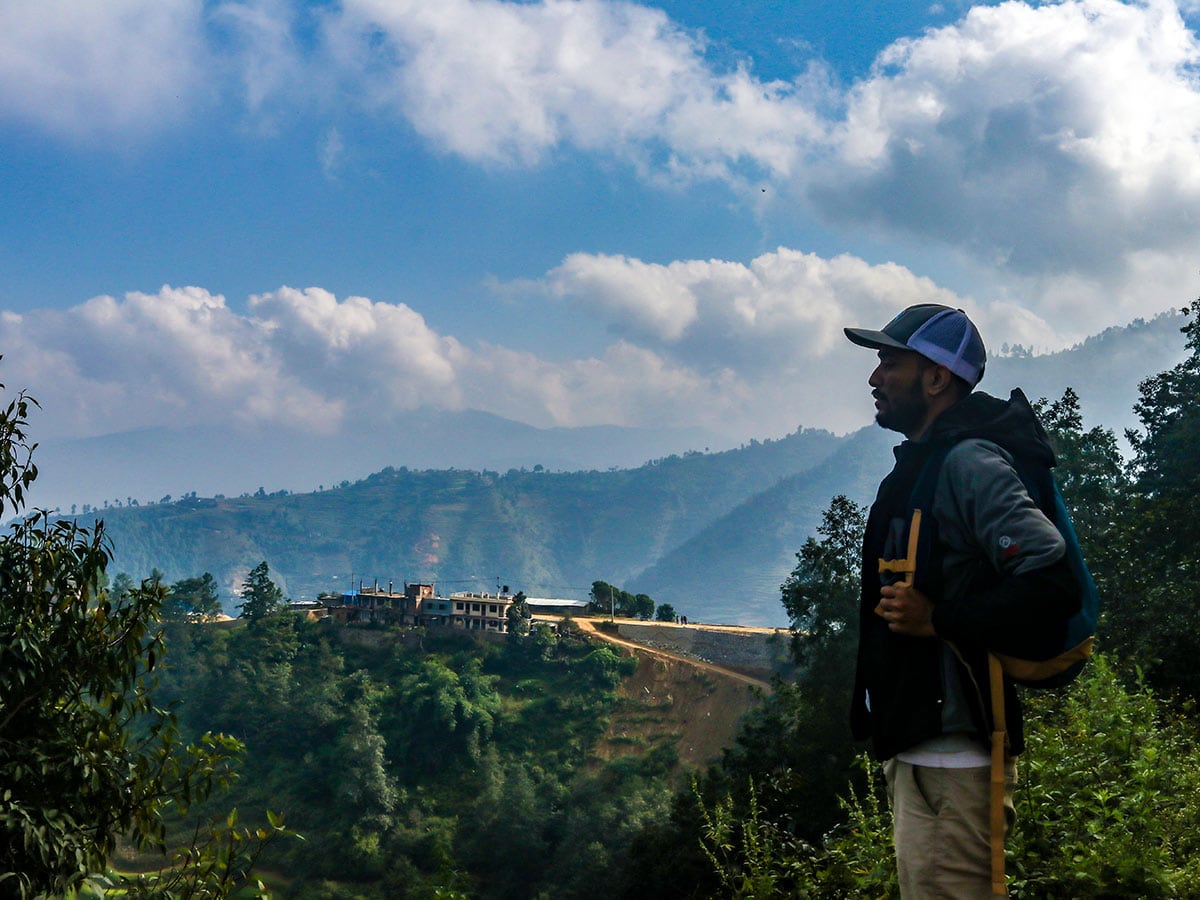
{"x":799,"y":738}
{"x":607,"y":598}
{"x":604,"y":666}
{"x":85,"y":755}
{"x":122,"y":586}
{"x":752,"y":856}
{"x":1169,"y":410}
{"x":1092,"y":477}
{"x":611,"y":600}
{"x":1110,"y":799}
{"x":793,"y":757}
{"x":448,"y":711}
{"x":424,"y":765}
{"x":665,"y":613}
{"x":193,"y":598}
{"x":1108,"y":805}
{"x":219,"y":859}
{"x":821,"y":595}
{"x":73,"y":668}
{"x":1155,"y":619}
{"x":858,"y":858}
{"x":519,"y":616}
{"x":261,"y":597}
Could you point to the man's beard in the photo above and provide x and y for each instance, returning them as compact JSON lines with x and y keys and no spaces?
{"x":903,"y":413}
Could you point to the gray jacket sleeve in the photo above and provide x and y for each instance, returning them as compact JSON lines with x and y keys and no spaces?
{"x":996,"y":536}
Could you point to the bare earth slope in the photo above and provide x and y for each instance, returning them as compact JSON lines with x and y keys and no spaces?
{"x":671,"y":699}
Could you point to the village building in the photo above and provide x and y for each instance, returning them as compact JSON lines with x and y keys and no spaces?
{"x":416,"y":605}
{"x":419,"y":605}
{"x":480,"y":611}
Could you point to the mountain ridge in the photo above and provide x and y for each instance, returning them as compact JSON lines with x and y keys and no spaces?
{"x":713,"y":533}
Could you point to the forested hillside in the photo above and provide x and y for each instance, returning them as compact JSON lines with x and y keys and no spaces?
{"x":738,"y":561}
{"x":425,"y":766}
{"x":547,"y":533}
{"x":410,"y":762}
{"x":713,"y":534}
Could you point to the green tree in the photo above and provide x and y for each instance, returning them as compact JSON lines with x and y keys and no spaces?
{"x":665,"y":613}
{"x":1110,"y":799}
{"x":821,"y":595}
{"x":1153,"y":614}
{"x":85,"y":756}
{"x":122,"y":586}
{"x":261,"y":597}
{"x":195,"y":599}
{"x":603,"y":597}
{"x":519,"y":616}
{"x":446,"y":712}
{"x":643,"y":606}
{"x":1095,"y":485}
{"x":796,"y":746}
{"x":543,"y":642}
{"x":609,"y":598}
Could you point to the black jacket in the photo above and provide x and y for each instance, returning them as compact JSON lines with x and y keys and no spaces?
{"x":980,"y":602}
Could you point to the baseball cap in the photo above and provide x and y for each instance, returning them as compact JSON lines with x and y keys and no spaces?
{"x":939,"y":333}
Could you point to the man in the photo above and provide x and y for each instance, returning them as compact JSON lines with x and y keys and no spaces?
{"x":991,"y":572}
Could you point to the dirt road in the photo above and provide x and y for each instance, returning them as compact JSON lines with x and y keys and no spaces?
{"x":590,"y":627}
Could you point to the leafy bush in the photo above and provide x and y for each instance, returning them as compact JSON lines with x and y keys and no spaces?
{"x":1108,"y":805}
{"x":1110,"y":802}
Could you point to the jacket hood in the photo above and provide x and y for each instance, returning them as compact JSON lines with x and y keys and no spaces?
{"x":1010,"y":423}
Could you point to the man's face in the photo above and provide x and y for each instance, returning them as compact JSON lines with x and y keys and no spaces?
{"x":900,"y":402}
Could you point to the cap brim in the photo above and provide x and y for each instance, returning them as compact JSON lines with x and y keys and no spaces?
{"x":876,"y":340}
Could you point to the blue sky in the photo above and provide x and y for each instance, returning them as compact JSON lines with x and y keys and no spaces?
{"x":569,"y":213}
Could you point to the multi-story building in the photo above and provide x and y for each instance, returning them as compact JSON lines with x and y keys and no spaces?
{"x":480,"y":611}
{"x":417,"y":604}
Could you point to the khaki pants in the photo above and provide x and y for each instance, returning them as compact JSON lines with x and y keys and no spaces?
{"x":941,"y":829}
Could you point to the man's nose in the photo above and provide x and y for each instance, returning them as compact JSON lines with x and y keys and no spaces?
{"x":874,"y":381}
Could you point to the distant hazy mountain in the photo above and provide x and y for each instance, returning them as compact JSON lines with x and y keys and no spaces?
{"x":712,"y":533}
{"x":1104,"y":370}
{"x":547,"y":533}
{"x":731,"y":570}
{"x":150,"y":464}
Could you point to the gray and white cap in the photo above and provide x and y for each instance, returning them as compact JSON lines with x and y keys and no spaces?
{"x":939,"y":333}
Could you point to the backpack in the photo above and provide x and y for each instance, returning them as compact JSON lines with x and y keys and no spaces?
{"x":1052,"y":659}
{"x":1055,"y":657}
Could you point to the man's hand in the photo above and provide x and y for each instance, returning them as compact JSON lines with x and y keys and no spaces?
{"x":906,"y":610}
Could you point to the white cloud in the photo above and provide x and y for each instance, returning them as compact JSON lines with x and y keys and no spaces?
{"x":625,"y":385}
{"x":83,"y":68}
{"x":1052,"y":143}
{"x":753,"y":348}
{"x":1044,"y":145}
{"x":263,"y":50}
{"x":1040,"y":139}
{"x":332,"y":152}
{"x":722,"y":313}
{"x":744,"y":349}
{"x":177,"y":357}
{"x":1056,"y":147}
{"x":506,"y":82}
{"x":639,"y":297}
{"x":374,"y":357}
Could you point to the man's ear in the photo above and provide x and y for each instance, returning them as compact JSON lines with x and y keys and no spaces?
{"x":938,"y":380}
